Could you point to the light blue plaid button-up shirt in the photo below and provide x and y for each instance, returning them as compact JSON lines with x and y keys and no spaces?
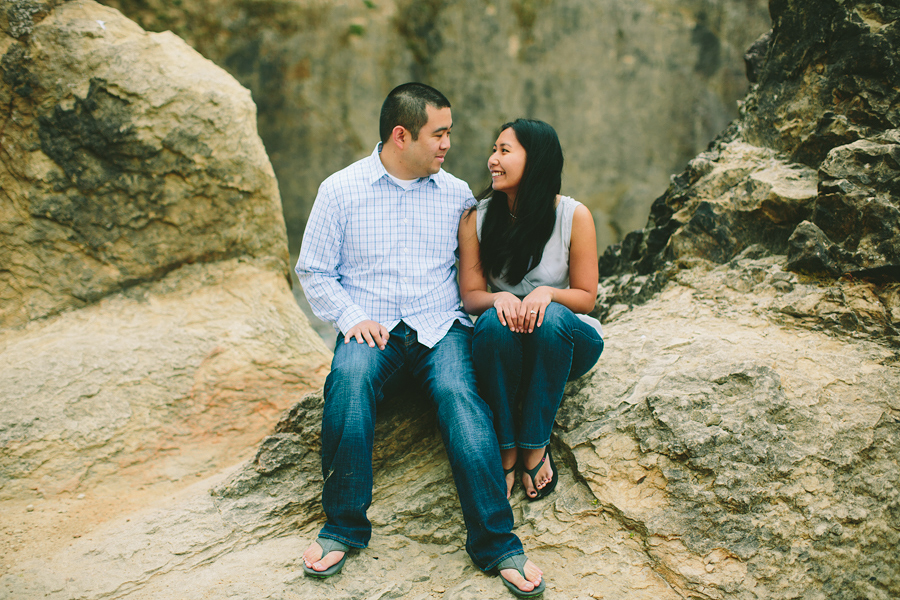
{"x":373,"y":250}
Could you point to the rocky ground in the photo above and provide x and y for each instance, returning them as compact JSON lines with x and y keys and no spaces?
{"x":712,"y":426}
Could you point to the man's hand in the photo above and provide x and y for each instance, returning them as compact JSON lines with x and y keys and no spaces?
{"x":368,"y":332}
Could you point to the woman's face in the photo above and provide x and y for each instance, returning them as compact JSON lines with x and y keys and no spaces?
{"x":507,"y":163}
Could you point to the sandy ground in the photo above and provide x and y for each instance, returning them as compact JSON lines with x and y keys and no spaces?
{"x":37,"y":525}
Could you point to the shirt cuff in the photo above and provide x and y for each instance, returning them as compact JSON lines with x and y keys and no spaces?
{"x":353,"y":316}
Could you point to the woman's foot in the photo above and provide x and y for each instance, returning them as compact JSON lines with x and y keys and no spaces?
{"x":529,"y":582}
{"x":533,"y":458}
{"x":314,"y":560}
{"x":509,"y":458}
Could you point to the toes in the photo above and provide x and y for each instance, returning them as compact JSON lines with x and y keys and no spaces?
{"x":533,"y":573}
{"x":527,"y":484}
{"x":514,"y":577}
{"x":330,"y":559}
{"x":313,"y":558}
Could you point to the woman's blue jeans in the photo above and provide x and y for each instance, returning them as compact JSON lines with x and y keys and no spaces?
{"x":531,"y":370}
{"x":360,"y":378}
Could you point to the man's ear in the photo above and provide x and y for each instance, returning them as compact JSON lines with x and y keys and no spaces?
{"x":400,"y":136}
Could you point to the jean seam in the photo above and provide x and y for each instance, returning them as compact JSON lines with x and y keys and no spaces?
{"x":533,"y":446}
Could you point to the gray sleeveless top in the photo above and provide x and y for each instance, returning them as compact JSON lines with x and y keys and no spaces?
{"x":553,"y":270}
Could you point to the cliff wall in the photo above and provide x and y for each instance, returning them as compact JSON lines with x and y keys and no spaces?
{"x":635,"y":89}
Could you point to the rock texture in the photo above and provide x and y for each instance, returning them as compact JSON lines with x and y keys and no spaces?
{"x":148,"y":335}
{"x":634,"y":88}
{"x":717,"y":451}
{"x":112,"y":177}
{"x":738,"y":440}
{"x":823,"y":112}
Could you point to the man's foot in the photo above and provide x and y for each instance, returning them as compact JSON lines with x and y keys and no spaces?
{"x":509,"y":458}
{"x":526,"y":578}
{"x":330,"y":563}
{"x":543,"y":477}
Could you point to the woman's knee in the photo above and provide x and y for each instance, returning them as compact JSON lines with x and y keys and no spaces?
{"x":489,"y":325}
{"x":558,"y":322}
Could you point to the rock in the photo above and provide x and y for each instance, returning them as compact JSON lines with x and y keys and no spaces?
{"x":635,"y":89}
{"x":730,"y":198}
{"x":810,"y":170}
{"x":719,"y":449}
{"x":812,"y":252}
{"x":126,"y":168}
{"x":148,"y":335}
{"x":830,"y":78}
{"x":857,"y":207}
{"x":730,"y":437}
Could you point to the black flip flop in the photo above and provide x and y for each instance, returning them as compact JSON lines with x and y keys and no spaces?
{"x":544,"y":491}
{"x":517,"y":562}
{"x":328,"y":545}
{"x":506,"y":472}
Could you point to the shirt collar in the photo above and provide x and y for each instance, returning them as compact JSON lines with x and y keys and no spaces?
{"x":378,"y":171}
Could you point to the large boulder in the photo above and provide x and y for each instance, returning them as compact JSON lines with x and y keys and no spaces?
{"x":148,"y":334}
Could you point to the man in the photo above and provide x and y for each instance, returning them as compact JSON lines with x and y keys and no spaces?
{"x":377,"y":260}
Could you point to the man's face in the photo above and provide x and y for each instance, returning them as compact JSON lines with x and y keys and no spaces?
{"x":425,"y":155}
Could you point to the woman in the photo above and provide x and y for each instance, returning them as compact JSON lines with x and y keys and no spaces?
{"x":538,"y":251}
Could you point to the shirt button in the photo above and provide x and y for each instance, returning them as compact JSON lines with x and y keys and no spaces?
{"x":405,"y":221}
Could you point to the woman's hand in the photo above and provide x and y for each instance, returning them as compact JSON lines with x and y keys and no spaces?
{"x":509,"y":311}
{"x":534,"y":306}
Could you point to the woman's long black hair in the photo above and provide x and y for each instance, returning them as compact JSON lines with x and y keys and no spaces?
{"x":512,"y":247}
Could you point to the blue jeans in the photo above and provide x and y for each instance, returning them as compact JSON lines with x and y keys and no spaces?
{"x":531,"y":370}
{"x":360,"y":378}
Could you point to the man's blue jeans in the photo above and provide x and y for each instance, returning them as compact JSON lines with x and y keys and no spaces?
{"x":531,"y":370}
{"x":360,"y":378}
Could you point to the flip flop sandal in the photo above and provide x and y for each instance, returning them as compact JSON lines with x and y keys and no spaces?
{"x":328,"y":545}
{"x":544,"y":491}
{"x":506,"y":472}
{"x":517,"y":562}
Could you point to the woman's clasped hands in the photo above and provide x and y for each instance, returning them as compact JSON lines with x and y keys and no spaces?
{"x":522,"y":316}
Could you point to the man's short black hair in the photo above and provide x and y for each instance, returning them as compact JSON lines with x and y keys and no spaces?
{"x":405,"y":106}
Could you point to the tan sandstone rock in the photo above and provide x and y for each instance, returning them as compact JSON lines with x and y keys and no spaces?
{"x":148,"y":335}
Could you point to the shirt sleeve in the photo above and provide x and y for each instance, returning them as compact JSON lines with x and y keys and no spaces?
{"x":317,"y":266}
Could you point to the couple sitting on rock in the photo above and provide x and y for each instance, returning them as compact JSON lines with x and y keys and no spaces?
{"x":378,"y":260}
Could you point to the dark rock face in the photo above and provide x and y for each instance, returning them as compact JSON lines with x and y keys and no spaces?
{"x":824,"y":104}
{"x":831,"y":76}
